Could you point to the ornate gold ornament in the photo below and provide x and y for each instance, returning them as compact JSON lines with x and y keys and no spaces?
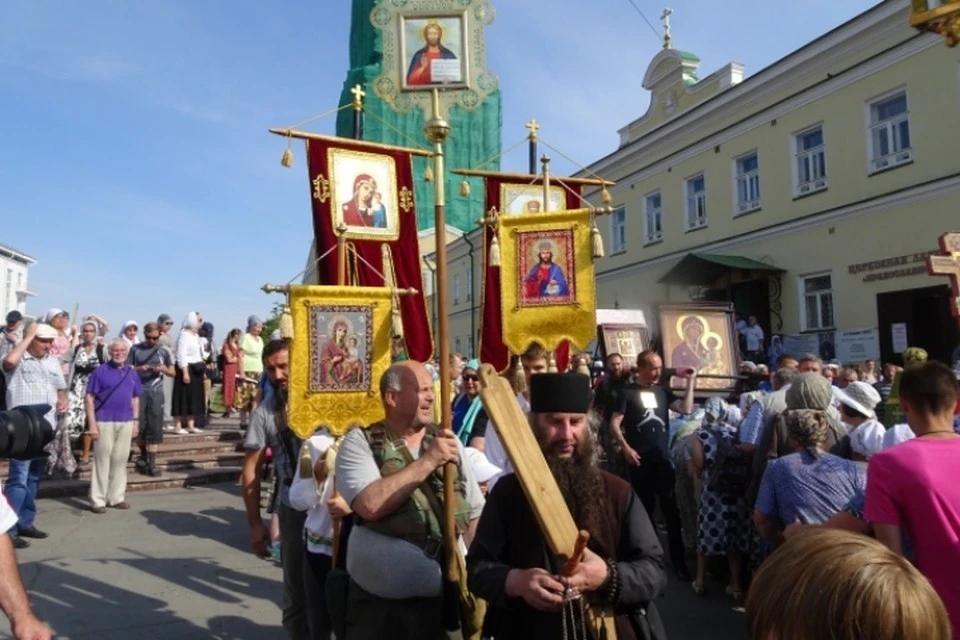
{"x":321,"y":188}
{"x":406,"y":199}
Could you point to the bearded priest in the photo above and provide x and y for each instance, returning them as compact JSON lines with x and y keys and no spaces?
{"x":509,"y":562}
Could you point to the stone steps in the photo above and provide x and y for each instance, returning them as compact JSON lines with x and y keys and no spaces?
{"x":135,"y":482}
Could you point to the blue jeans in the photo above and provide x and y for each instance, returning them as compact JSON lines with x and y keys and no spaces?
{"x":21,"y":491}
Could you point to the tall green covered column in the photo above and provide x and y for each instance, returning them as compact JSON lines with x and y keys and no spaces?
{"x":475,"y":135}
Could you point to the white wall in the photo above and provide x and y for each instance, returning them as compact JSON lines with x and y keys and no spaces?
{"x":13,"y":278}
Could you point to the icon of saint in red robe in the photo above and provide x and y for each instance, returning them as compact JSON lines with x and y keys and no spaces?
{"x":420,"y":71}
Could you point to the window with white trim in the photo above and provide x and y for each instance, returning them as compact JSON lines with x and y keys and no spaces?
{"x":810,"y":165}
{"x":470,"y":353}
{"x":817,"y":292}
{"x":456,"y":345}
{"x":456,"y":290}
{"x":618,"y":230}
{"x":469,"y":285}
{"x":696,"y":192}
{"x":747,"y":176}
{"x":889,"y":136}
{"x":652,"y":218}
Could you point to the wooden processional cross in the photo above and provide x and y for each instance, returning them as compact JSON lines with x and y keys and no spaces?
{"x":948,"y":264}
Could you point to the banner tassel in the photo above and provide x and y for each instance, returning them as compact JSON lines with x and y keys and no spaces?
{"x":287,"y":158}
{"x":397,"y":320}
{"x":493,"y":259}
{"x":428,"y":174}
{"x":597,"y":240}
{"x":464,"y":188}
{"x":605,"y":196}
{"x":519,"y":380}
{"x":552,"y":367}
{"x":286,"y":322}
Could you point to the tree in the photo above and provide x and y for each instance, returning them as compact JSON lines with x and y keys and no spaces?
{"x":272,"y":323}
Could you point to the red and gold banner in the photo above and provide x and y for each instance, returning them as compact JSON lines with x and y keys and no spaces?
{"x":365,"y":192}
{"x":512,"y":197}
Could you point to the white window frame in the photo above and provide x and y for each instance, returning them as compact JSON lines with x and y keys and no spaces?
{"x":469,"y":290}
{"x":802,"y":292}
{"x":896,"y":157}
{"x":470,"y":354}
{"x":618,"y":230}
{"x":816,"y":184}
{"x":456,"y":345}
{"x":651,"y":236}
{"x":456,"y":290}
{"x":696,"y":198}
{"x":427,"y":276}
{"x":742,"y":207}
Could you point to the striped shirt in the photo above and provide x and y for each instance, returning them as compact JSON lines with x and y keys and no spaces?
{"x":35,"y":381}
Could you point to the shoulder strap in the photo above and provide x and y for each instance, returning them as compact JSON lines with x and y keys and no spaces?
{"x":99,"y":353}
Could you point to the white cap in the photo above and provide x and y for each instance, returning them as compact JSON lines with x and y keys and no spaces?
{"x":45,"y":332}
{"x":483,"y":469}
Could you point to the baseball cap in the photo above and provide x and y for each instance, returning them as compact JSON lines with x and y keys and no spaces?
{"x":14,"y":316}
{"x":860,"y":397}
{"x":45,"y":332}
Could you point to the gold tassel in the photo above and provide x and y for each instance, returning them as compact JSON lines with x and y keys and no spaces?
{"x":397,"y":320}
{"x":493,"y":259}
{"x":286,"y":323}
{"x":605,"y":196}
{"x":428,"y":174}
{"x":306,"y":463}
{"x":552,"y":367}
{"x":330,"y":459}
{"x":464,"y":188}
{"x":597,"y":242}
{"x":287,"y":158}
{"x":582,"y":366}
{"x":519,"y":381}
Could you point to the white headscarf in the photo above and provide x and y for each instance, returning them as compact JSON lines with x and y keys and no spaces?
{"x":897,"y":434}
{"x":867,"y":439}
{"x":192,"y":321}
{"x":51,"y":313}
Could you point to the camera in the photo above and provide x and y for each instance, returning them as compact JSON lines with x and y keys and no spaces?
{"x":24,"y":432}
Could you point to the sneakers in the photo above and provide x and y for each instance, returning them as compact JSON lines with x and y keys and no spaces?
{"x":195,"y":430}
{"x":181,"y":432}
{"x":169,"y":428}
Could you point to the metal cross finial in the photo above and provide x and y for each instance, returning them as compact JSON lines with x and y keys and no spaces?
{"x":534,"y":126}
{"x":665,"y":18}
{"x":358,"y":95}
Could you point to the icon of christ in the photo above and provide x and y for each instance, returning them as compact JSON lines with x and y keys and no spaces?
{"x":420,"y":71}
{"x":546,"y":278}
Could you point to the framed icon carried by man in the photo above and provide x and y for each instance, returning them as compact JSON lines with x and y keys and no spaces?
{"x":528,"y":198}
{"x":626,"y":340}
{"x":342,"y":337}
{"x":546,"y":268}
{"x":700,"y":336}
{"x":433,"y":52}
{"x":364,"y":191}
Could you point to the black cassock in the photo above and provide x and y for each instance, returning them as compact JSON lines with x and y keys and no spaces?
{"x":508,"y":537}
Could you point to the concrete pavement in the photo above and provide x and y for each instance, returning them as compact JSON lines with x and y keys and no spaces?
{"x":177,"y":565}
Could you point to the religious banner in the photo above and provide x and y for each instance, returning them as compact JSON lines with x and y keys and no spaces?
{"x":547,"y":283}
{"x":341,"y":351}
{"x":511,"y":197}
{"x":700,"y":336}
{"x":947,"y":263}
{"x":364,"y":192}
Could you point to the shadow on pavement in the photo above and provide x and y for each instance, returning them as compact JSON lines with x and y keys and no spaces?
{"x":223,"y":524}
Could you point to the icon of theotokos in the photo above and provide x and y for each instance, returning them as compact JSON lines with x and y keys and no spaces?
{"x":365,"y":208}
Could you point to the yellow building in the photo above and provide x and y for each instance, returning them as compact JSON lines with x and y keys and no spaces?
{"x":807,"y":194}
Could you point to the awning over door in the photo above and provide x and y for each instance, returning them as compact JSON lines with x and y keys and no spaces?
{"x":704,"y":269}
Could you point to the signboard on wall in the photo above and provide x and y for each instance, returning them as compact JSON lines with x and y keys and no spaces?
{"x":801,"y":344}
{"x":898,"y":331}
{"x":858,"y":345}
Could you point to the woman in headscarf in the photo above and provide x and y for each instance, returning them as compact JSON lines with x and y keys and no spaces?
{"x":188,"y":401}
{"x":66,"y":338}
{"x":231,"y":357}
{"x":86,"y":357}
{"x":129,"y":333}
{"x":809,"y":485}
{"x":775,"y":351}
{"x":250,"y":368}
{"x":469,"y":418}
{"x":724,"y":518}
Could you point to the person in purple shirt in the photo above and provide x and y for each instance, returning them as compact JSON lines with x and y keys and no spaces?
{"x":113,"y":409}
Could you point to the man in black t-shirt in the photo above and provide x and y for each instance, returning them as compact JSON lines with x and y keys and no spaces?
{"x":609,"y":390}
{"x":641,"y":421}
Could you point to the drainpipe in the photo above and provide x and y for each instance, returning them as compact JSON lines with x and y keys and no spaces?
{"x":473,"y":303}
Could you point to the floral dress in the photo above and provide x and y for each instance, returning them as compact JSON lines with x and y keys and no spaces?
{"x":724,"y":522}
{"x":83,"y":365}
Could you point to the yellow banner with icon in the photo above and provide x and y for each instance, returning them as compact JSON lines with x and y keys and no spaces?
{"x":547,"y":282}
{"x":340,"y":349}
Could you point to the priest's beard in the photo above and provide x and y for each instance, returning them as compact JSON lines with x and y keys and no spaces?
{"x":580,"y":482}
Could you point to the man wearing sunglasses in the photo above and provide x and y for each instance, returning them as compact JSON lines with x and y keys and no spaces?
{"x":154,"y":365}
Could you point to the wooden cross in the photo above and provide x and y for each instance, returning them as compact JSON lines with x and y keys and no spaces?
{"x":948,"y":264}
{"x":358,"y":95}
{"x":534,"y":127}
{"x":665,"y":18}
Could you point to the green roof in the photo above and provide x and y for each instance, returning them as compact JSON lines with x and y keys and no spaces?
{"x":704,"y":269}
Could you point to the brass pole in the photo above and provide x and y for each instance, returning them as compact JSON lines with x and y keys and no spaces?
{"x":437,"y":130}
{"x":546,"y":182}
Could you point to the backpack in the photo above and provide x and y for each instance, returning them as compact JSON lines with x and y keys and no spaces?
{"x":732,"y":468}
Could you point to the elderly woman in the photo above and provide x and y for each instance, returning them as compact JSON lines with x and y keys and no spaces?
{"x":86,"y":357}
{"x":724,"y":519}
{"x":249,"y":369}
{"x":809,"y":485}
{"x":66,"y":337}
{"x":469,"y":418}
{"x":188,"y":400}
{"x":129,"y":333}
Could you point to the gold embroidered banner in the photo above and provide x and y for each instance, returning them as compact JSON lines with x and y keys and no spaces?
{"x":341,"y":347}
{"x":547,"y":284}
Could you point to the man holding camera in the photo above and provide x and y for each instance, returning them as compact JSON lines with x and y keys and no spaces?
{"x":32,"y":378}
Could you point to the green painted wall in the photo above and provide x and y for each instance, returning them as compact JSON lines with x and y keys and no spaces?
{"x":474,"y":138}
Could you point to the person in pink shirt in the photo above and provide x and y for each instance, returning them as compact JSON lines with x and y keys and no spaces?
{"x":912,"y":487}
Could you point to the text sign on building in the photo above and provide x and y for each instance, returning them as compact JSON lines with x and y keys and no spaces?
{"x":858,"y":345}
{"x":910,"y":265}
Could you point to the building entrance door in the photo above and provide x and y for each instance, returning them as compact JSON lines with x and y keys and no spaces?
{"x":926,"y":313}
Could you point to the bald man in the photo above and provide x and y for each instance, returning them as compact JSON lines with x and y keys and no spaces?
{"x":391,"y":474}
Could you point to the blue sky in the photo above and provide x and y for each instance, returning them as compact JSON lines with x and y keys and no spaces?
{"x":135,"y":163}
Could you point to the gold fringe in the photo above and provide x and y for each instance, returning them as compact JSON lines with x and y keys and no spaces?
{"x":597,"y":241}
{"x":493,"y":260}
{"x":428,"y":174}
{"x":286,"y":322}
{"x":464,"y":188}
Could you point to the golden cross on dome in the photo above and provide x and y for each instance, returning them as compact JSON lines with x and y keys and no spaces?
{"x":534,"y":127}
{"x":948,"y":264}
{"x":665,"y":18}
{"x":358,"y":95}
